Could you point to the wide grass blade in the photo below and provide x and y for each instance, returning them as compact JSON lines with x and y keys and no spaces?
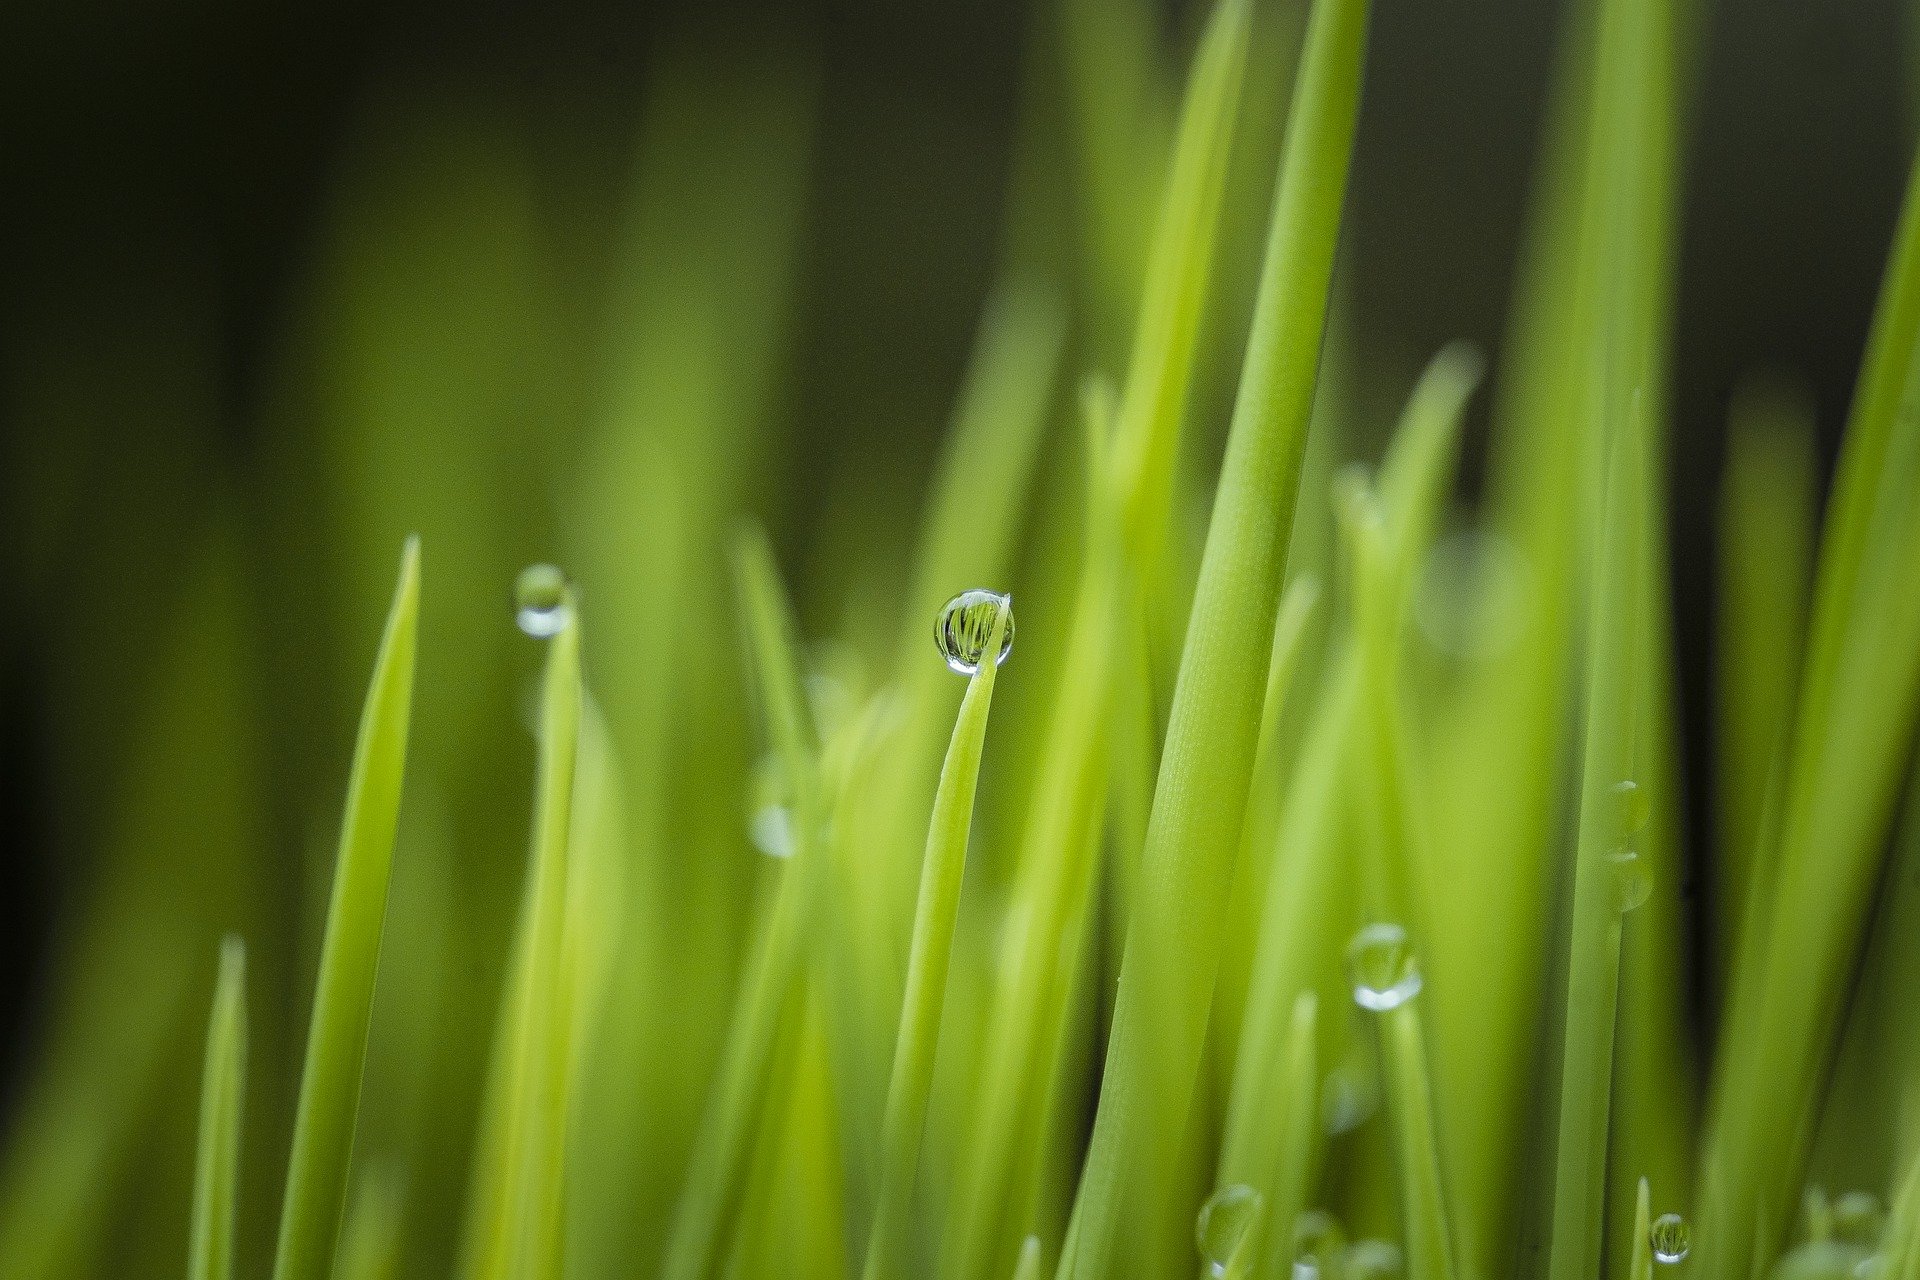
{"x":223,"y":1085}
{"x":343,"y":997}
{"x":888,"y":1251}
{"x":1174,"y":945}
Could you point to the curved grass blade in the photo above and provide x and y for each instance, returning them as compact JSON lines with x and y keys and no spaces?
{"x":919,"y":1035}
{"x":223,"y":1085}
{"x":343,"y":998}
{"x":1173,"y":946}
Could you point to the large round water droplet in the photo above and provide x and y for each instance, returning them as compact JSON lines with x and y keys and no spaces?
{"x":1385,"y":974}
{"x":1631,"y":883}
{"x":542,"y":600}
{"x":1858,"y":1218}
{"x":1669,"y":1238}
{"x":966,"y":624}
{"x":1224,"y":1229}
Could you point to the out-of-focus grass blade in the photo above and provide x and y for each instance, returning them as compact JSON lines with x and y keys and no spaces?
{"x":343,"y":997}
{"x":1294,"y":1140}
{"x":1640,"y":1265}
{"x":750,"y":1061}
{"x":370,"y":1239}
{"x":1805,"y":915}
{"x":1768,"y":505}
{"x":888,"y":1246}
{"x":1173,"y":945}
{"x":223,"y":1085}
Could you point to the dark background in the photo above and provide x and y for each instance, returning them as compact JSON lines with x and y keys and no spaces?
{"x":139,"y":142}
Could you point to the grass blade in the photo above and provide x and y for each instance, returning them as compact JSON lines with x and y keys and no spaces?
{"x":223,"y":1086}
{"x":1173,"y":946}
{"x":919,"y":1035}
{"x":343,"y":998}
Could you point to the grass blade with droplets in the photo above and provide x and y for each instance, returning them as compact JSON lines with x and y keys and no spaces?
{"x":906,"y":1111}
{"x":343,"y":997}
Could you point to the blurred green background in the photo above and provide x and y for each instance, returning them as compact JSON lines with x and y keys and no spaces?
{"x":281,"y":283}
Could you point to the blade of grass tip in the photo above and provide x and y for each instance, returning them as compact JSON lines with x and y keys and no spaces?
{"x":888,"y":1245}
{"x":1173,"y":947}
{"x":1641,"y":1266}
{"x":1852,"y":723}
{"x":343,"y":997}
{"x":1768,"y":505}
{"x":223,"y":1085}
{"x":1606,"y":878}
{"x":722,"y":1151}
{"x":1028,"y":1266}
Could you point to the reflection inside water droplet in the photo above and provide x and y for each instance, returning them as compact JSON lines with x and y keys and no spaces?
{"x":1385,"y":974}
{"x":1225,"y":1227}
{"x":542,"y":601}
{"x":1669,"y":1238}
{"x":1631,"y":883}
{"x":1318,"y":1245}
{"x":966,"y":624}
{"x":1371,"y":1260}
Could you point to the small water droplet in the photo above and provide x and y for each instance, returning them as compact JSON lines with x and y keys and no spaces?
{"x":1630,"y":809}
{"x":1858,"y":1218}
{"x":1318,"y":1245}
{"x":1385,"y":974}
{"x":1631,"y":883}
{"x":1372,"y":1260}
{"x":966,"y":624}
{"x":542,"y":600}
{"x":1669,"y":1237}
{"x":1225,"y":1227}
{"x":769,"y":820}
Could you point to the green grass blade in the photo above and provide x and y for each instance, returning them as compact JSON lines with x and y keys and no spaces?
{"x":343,"y":997}
{"x":1768,"y":502}
{"x":1640,"y":1267}
{"x":1173,"y":946}
{"x":1593,"y":971}
{"x":223,"y":1086}
{"x":1295,"y":1141}
{"x":1425,"y":1217}
{"x":534,"y":1154}
{"x":888,"y":1252}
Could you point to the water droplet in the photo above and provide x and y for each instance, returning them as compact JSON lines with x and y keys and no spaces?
{"x":542,"y":600}
{"x":1858,"y":1218}
{"x":966,"y":624}
{"x":1225,"y":1227}
{"x":769,"y":820}
{"x":1372,"y":1260}
{"x":1669,"y":1237}
{"x":1318,"y":1245}
{"x":1629,"y":810}
{"x":1385,"y":974}
{"x":1631,"y":883}
{"x":1349,"y":1097}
